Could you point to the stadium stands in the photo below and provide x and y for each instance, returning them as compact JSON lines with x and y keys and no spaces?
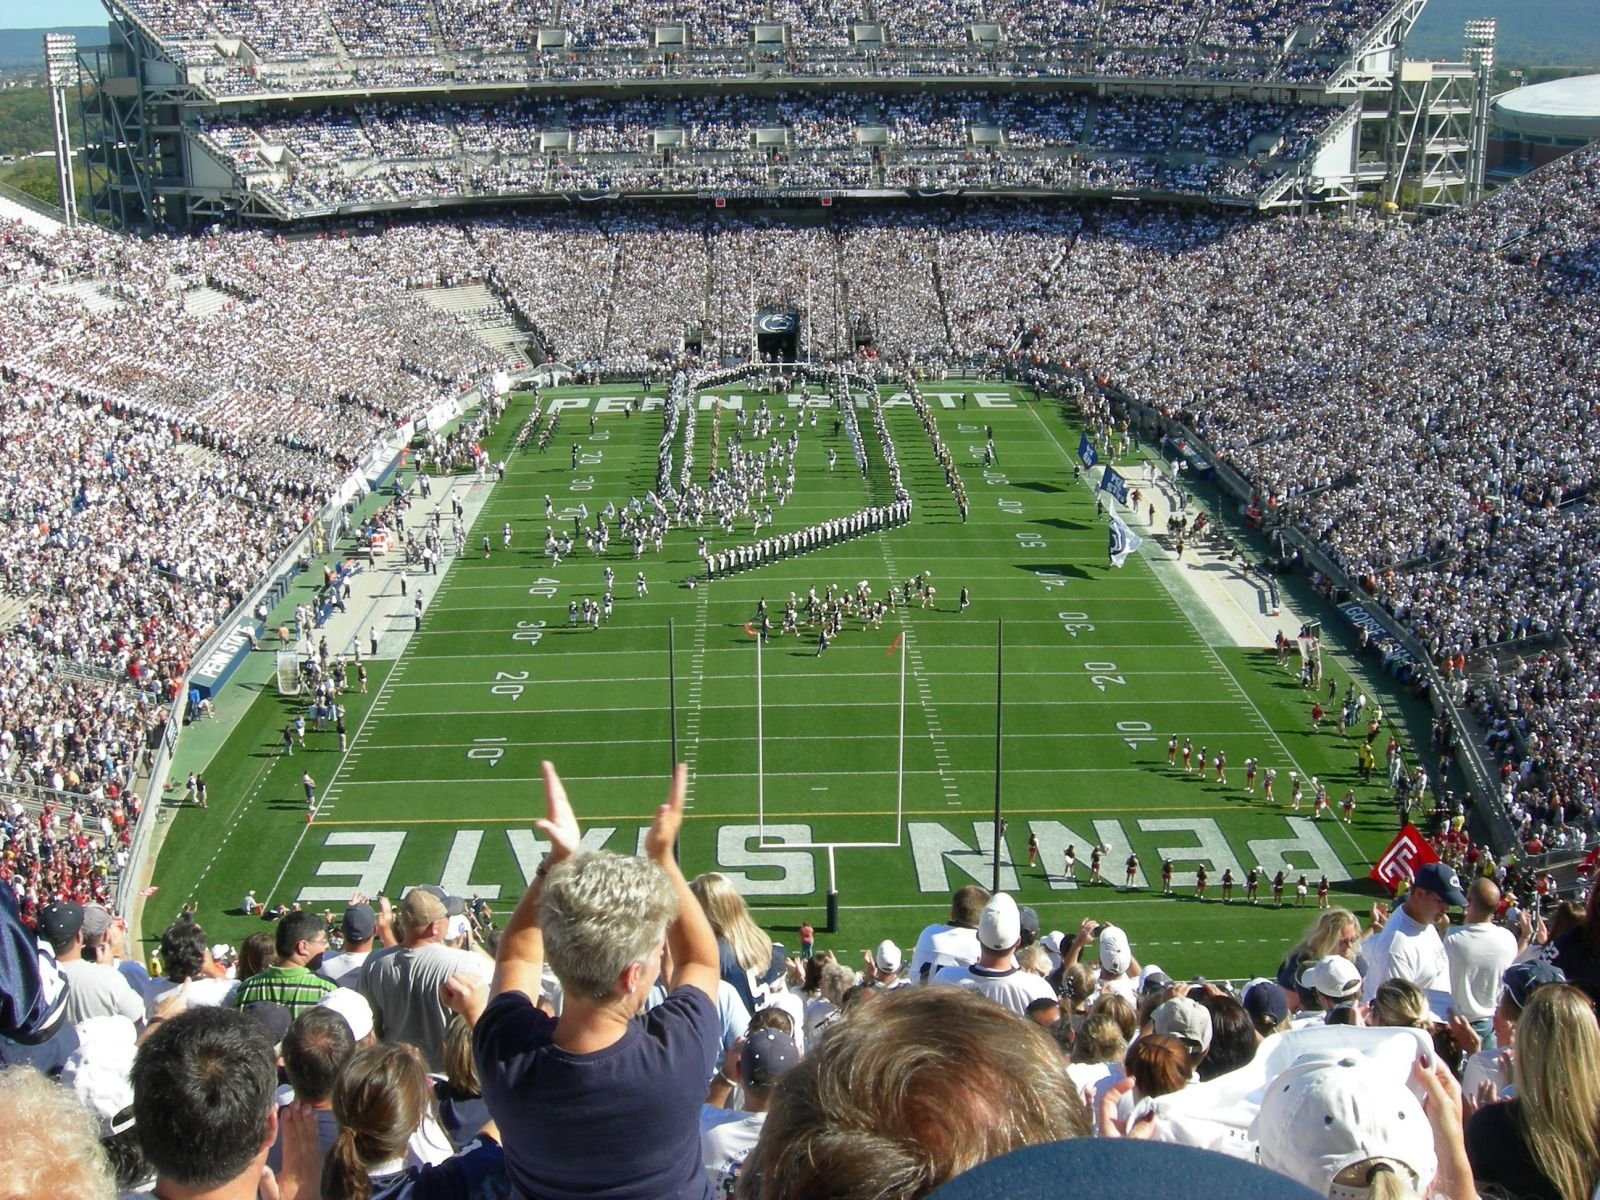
{"x":370,"y":155}
{"x":1242,"y":329}
{"x":1418,"y":401}
{"x":237,"y":48}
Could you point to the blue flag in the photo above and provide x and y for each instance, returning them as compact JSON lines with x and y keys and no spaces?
{"x":1115,"y":484}
{"x":1124,"y":541}
{"x":1086,"y":450}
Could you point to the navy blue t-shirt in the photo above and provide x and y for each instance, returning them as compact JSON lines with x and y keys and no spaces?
{"x":623,"y":1122}
{"x":477,"y":1174}
{"x":461,"y":1117}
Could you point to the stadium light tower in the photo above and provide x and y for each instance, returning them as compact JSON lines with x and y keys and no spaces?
{"x":1480,"y":38}
{"x":61,"y":67}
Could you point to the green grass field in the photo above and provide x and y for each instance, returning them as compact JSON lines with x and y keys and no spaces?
{"x":1100,"y":667}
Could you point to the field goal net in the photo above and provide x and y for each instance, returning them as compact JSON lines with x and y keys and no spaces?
{"x":288,"y":673}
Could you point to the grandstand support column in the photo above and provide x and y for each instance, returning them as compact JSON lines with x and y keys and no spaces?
{"x":135,"y":147}
{"x":1431,"y":135}
{"x":61,"y":66}
{"x":1375,"y":56}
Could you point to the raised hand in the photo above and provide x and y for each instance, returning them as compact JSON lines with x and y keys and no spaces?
{"x":663,"y":833}
{"x":558,"y":823}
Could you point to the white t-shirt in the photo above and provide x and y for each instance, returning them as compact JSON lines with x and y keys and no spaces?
{"x":202,"y":993}
{"x":1010,"y":987}
{"x":1406,"y":949}
{"x":1478,"y":955}
{"x":343,"y":969}
{"x":943,"y":946}
{"x":725,"y":1143}
{"x":731,"y":1012}
{"x":1091,"y":1080}
{"x":1120,"y":985}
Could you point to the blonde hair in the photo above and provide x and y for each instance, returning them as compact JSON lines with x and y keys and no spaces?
{"x":1034,"y":959}
{"x":731,"y":921}
{"x":1100,"y":1040}
{"x":52,"y":1143}
{"x":1121,"y":1011}
{"x":1399,"y":1003}
{"x":1557,"y":1071}
{"x":380,"y":1099}
{"x":1380,"y":1178}
{"x":460,"y":1068}
{"x":1322,"y":939}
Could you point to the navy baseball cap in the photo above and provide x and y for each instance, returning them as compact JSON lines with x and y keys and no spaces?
{"x":1264,"y":1000}
{"x":359,"y":922}
{"x":1523,"y":979}
{"x":767,"y":1054}
{"x":59,"y":922}
{"x":1441,"y":879}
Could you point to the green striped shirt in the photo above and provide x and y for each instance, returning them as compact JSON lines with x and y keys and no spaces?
{"x":296,"y":988}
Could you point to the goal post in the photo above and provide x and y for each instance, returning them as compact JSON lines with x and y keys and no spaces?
{"x":900,"y":647}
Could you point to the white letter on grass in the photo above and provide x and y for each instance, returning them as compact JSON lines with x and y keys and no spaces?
{"x":796,"y":869}
{"x":370,"y":875}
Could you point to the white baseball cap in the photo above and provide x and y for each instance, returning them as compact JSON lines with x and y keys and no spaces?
{"x":1000,"y":926}
{"x":1115,"y":953}
{"x":887,"y":956}
{"x":99,"y":1071}
{"x":1324,"y":1114}
{"x":1335,"y":977}
{"x":353,"y":1007}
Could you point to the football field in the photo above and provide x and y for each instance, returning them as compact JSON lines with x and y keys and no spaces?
{"x":872,"y":765}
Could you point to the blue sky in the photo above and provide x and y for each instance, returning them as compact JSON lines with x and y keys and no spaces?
{"x":41,"y":14}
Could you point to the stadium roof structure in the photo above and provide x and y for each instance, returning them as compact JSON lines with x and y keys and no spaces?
{"x":1562,"y":108}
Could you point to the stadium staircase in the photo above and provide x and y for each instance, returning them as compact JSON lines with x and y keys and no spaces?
{"x":1280,"y":187}
{"x":12,"y":606}
{"x":431,"y":14}
{"x":938,"y":290}
{"x":485,"y":316}
{"x":611,"y":291}
{"x":202,"y":302}
{"x":35,"y":213}
{"x":86,"y":292}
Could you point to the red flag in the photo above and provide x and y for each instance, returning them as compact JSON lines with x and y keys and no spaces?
{"x":894,"y":645}
{"x":1400,"y":861}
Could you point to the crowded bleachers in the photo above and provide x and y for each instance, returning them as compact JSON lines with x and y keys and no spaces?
{"x":237,"y":47}
{"x":311,"y":162}
{"x":1418,"y":401}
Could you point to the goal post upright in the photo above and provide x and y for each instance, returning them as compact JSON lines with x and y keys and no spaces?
{"x":901,"y":648}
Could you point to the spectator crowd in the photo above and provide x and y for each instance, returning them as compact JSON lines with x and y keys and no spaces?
{"x":627,"y":1031}
{"x":313,"y":162}
{"x":289,"y":46}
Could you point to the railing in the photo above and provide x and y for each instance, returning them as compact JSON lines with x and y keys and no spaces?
{"x":33,"y":204}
